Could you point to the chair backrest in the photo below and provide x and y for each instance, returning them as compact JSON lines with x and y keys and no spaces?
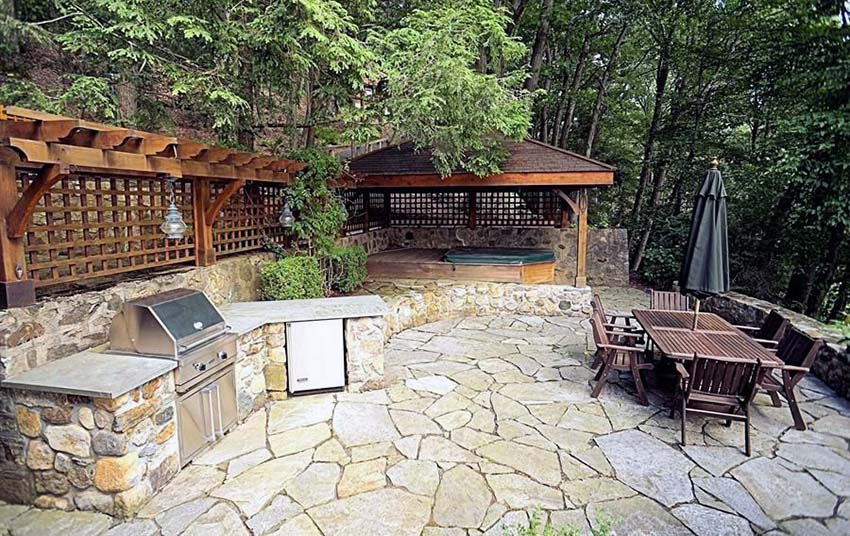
{"x":797,"y":349}
{"x":729,"y":376}
{"x":669,"y":301}
{"x":773,"y":327}
{"x":596,"y":304}
{"x":597,"y":323}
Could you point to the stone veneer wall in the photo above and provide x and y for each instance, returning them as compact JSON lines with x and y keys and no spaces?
{"x":833,"y":362}
{"x":413,"y":303}
{"x":71,"y":452}
{"x":60,"y":326}
{"x":607,"y":249}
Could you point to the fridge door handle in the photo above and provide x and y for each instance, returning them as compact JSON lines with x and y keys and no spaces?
{"x":211,"y":437}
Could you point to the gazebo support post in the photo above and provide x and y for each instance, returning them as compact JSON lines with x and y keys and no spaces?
{"x":15,"y":289}
{"x":581,"y":245}
{"x":473,"y":209}
{"x":204,"y":251}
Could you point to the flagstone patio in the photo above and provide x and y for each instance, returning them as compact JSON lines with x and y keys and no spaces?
{"x":483,"y":420}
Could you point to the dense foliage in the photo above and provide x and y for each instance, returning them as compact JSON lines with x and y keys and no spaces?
{"x":291,"y":278}
{"x":655,"y":87}
{"x":347,"y":269}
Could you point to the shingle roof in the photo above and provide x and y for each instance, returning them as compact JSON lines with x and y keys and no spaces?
{"x":527,"y":156}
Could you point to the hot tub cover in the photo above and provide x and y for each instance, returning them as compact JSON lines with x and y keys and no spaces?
{"x":499,"y":255}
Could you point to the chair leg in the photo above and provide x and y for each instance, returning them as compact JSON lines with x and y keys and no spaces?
{"x":799,"y":423}
{"x":728,"y":423}
{"x":774,"y":397}
{"x":601,"y":379}
{"x":684,"y":415}
{"x":641,"y":392}
{"x":747,"y":449}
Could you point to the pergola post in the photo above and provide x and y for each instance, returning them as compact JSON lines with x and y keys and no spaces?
{"x":15,"y":289}
{"x":473,"y":209}
{"x":581,"y":244}
{"x":204,"y":251}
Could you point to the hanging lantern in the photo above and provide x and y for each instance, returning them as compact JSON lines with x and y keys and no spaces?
{"x":286,"y":217}
{"x":174,"y":227}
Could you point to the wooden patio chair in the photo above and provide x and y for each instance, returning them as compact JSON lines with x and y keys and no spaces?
{"x":797,"y":352}
{"x":616,"y":357}
{"x":719,"y":387}
{"x":610,"y":319}
{"x":770,"y":332}
{"x":669,"y":301}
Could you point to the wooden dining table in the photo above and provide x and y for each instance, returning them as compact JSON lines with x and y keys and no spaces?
{"x":674,"y":335}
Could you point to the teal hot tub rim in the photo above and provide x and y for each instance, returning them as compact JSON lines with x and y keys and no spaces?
{"x":510,"y":256}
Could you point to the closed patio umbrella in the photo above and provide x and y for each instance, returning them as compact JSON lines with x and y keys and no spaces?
{"x":705,"y":269}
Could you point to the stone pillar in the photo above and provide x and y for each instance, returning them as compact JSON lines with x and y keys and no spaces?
{"x":364,"y":352}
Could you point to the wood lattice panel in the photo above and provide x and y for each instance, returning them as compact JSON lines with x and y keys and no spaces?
{"x":91,"y":225}
{"x":429,"y":209}
{"x":249,"y":218}
{"x":526,"y":208}
{"x":365,"y":208}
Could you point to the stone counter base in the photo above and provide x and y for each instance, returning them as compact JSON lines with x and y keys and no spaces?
{"x":79,"y":453}
{"x":413,"y":302}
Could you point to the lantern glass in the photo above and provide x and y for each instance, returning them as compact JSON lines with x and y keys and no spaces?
{"x":286,"y":217}
{"x":173,"y":227}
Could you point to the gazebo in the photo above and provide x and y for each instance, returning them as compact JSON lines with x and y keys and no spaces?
{"x":539,"y":186}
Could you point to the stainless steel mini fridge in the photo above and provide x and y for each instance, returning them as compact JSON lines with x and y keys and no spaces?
{"x":315,"y":355}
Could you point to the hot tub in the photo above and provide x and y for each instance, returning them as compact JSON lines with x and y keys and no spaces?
{"x":515,"y":256}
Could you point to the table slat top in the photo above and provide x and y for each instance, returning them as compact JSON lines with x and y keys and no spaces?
{"x":673,"y":334}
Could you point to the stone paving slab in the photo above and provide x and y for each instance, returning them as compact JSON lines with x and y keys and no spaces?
{"x":487,"y":420}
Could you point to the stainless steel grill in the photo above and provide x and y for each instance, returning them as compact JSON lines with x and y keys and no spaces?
{"x":185,"y":326}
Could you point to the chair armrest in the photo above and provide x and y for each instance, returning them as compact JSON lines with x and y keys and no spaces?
{"x":766,"y":342}
{"x":794,"y":368}
{"x":747,"y":328}
{"x":621,"y":348}
{"x":682,"y":371}
{"x":621,"y":326}
{"x":625,"y":334}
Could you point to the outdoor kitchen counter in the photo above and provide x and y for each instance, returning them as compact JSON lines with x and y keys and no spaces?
{"x":92,"y":374}
{"x":243,"y":317}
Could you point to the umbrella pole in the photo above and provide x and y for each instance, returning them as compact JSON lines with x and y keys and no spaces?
{"x":696,"y":313}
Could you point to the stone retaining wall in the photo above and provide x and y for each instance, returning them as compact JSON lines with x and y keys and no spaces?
{"x":833,"y":362}
{"x":79,"y":453}
{"x":607,"y":249}
{"x":413,"y":303}
{"x":60,"y":326}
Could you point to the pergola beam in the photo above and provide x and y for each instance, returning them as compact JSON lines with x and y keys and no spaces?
{"x":582,"y":178}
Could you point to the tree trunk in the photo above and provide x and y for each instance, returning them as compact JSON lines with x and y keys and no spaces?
{"x":839,"y":306}
{"x":309,"y":132}
{"x":9,"y":36}
{"x":127,"y":93}
{"x":539,"y":45}
{"x":826,"y":272}
{"x":603,"y":90}
{"x":657,"y":187}
{"x":517,"y":9}
{"x":799,"y":287}
{"x":661,"y":74}
{"x":581,"y":61}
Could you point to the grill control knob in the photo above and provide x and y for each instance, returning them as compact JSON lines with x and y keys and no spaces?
{"x":223,"y":355}
{"x":200,"y":367}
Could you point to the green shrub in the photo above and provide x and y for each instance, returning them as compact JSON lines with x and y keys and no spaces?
{"x":291,"y":278}
{"x":347,"y":268}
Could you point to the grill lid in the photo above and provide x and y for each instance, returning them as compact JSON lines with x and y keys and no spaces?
{"x":166,"y":324}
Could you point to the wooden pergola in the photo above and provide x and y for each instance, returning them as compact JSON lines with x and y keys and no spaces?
{"x":530,"y":165}
{"x":50,"y":148}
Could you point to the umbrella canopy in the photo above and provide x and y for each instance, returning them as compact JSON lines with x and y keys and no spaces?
{"x":706,"y":265}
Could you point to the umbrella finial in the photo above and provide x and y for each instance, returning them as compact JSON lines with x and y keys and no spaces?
{"x":713,"y":163}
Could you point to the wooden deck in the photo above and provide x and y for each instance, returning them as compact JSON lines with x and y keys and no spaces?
{"x":415,"y":263}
